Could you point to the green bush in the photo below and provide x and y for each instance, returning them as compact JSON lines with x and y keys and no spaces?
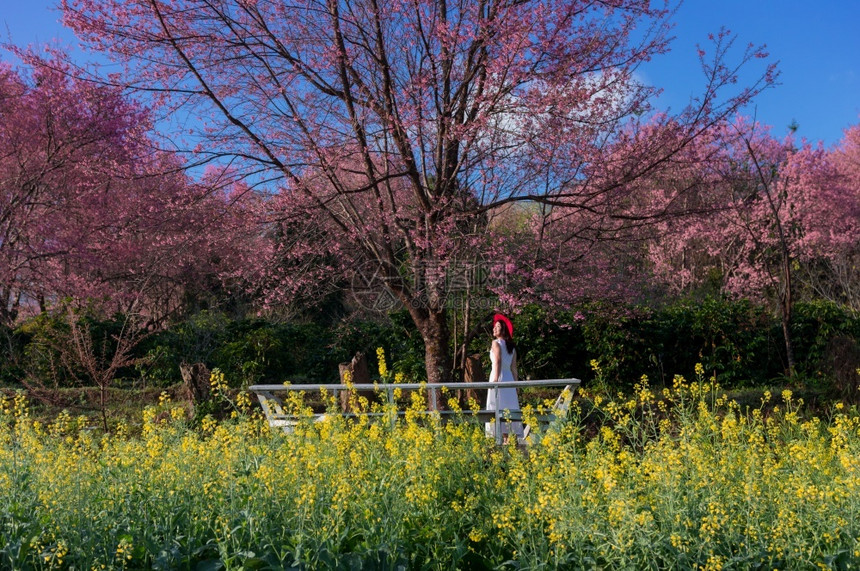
{"x":814,"y":325}
{"x":738,"y":341}
{"x":402,"y":342}
{"x":549,"y":346}
{"x":41,"y":349}
{"x":257,"y":350}
{"x":38,"y":355}
{"x":734,"y":339}
{"x":12,"y":345}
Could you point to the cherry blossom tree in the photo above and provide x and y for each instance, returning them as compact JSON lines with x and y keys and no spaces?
{"x":403,"y":124}
{"x":778,"y":210}
{"x":91,"y":210}
{"x":833,"y":267}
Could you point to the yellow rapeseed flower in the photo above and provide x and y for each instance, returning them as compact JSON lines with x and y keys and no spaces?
{"x":380,"y":357}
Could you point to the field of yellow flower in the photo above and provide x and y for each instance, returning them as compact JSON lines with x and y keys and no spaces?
{"x":679,"y":478}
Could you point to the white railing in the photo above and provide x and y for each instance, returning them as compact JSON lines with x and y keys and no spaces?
{"x":278,"y":417}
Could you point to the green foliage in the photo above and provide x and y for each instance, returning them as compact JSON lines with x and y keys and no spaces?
{"x":549,"y":346}
{"x":247,"y":350}
{"x":257,"y":351}
{"x":733,"y":339}
{"x":38,"y":356}
{"x":814,"y":325}
{"x":736,"y":340}
{"x":12,"y":345}
{"x":252,"y":351}
{"x":41,"y":349}
{"x":739,"y":342}
{"x":402,"y":342}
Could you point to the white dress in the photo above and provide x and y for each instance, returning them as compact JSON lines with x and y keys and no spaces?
{"x":505,"y":397}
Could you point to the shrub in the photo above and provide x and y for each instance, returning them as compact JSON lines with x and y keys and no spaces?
{"x":733,"y":339}
{"x":814,"y":327}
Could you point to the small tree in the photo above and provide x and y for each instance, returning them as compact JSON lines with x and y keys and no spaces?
{"x":101,"y":359}
{"x":86,"y":351}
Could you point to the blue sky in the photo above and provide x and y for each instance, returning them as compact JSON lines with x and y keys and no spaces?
{"x":817,"y":45}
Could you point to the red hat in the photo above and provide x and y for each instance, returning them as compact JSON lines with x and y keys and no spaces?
{"x":507,"y":322}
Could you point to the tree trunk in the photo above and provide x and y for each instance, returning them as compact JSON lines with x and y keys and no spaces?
{"x":474,"y":373}
{"x":359,"y":374}
{"x":433,"y":325}
{"x":789,"y":346}
{"x":196,"y":383}
{"x":9,"y":309}
{"x":785,"y":302}
{"x":436,"y":335}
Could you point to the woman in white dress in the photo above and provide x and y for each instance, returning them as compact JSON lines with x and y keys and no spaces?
{"x":503,"y":356}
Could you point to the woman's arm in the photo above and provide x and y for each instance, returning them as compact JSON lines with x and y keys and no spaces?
{"x":495,"y":359}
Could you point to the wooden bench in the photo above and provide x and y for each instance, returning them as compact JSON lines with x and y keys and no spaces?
{"x":278,"y":417}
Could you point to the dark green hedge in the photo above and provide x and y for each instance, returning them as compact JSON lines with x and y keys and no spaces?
{"x":742,"y":343}
{"x":252,"y":351}
{"x":737,"y":340}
